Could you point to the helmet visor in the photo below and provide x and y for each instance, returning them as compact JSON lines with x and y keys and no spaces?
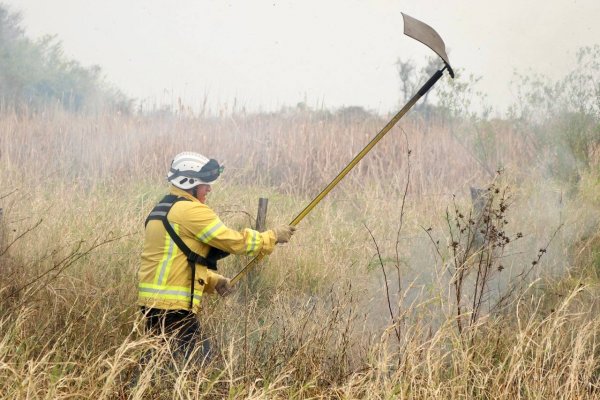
{"x":207,"y":174}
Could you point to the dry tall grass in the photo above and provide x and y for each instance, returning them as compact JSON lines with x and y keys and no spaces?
{"x":75,"y":191}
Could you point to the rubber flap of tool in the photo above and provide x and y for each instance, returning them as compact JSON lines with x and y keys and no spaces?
{"x":428,"y":36}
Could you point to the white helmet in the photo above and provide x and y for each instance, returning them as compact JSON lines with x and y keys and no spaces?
{"x":190,"y":169}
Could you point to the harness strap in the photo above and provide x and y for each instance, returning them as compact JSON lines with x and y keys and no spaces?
{"x":160,"y":212}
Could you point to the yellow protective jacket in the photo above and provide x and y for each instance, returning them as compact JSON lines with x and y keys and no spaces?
{"x":165,"y":276}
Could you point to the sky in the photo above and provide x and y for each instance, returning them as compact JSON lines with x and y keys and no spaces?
{"x":263,"y":55}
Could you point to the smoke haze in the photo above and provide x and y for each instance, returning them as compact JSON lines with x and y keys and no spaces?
{"x":265,"y":54}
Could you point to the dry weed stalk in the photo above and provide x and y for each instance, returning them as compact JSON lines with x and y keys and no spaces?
{"x":310,"y":329}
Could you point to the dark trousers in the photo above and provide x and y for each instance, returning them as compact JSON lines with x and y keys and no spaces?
{"x":181,"y":328}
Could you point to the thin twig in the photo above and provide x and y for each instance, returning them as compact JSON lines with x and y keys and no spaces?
{"x":387,"y":289}
{"x":20,"y":236}
{"x":435,"y":244}
{"x":8,"y":194}
{"x":403,"y":203}
{"x":524,"y":275}
{"x":66,"y":262}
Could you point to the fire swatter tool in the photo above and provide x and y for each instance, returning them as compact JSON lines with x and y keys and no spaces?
{"x":428,"y":36}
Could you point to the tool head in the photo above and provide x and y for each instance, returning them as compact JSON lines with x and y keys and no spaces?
{"x":428,"y":36}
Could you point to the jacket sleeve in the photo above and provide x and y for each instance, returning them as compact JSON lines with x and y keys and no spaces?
{"x":209,"y":229}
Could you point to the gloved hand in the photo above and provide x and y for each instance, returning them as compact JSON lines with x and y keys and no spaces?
{"x":283,"y":233}
{"x":223,"y":287}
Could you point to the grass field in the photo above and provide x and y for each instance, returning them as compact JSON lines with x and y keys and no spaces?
{"x":362,"y":303}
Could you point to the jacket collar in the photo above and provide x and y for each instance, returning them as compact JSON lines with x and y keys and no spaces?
{"x":182,"y":193}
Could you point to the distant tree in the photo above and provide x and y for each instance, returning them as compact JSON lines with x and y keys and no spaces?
{"x":411,"y":80}
{"x":35,"y":74}
{"x":564,"y":115}
{"x":354,"y":113}
{"x":406,"y":73}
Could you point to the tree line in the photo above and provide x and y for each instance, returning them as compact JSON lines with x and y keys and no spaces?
{"x":36,"y":74}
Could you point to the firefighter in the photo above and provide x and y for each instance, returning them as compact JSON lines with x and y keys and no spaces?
{"x":184,"y":239}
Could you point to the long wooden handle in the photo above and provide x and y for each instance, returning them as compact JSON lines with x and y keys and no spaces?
{"x":424,"y":89}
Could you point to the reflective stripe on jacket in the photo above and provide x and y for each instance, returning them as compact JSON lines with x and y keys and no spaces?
{"x":165,"y":276}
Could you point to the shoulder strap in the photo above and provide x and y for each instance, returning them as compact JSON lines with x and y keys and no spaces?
{"x":160,"y":212}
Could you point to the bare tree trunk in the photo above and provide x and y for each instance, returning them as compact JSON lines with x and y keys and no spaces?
{"x":261,"y":225}
{"x":1,"y":229}
{"x":261,"y":216}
